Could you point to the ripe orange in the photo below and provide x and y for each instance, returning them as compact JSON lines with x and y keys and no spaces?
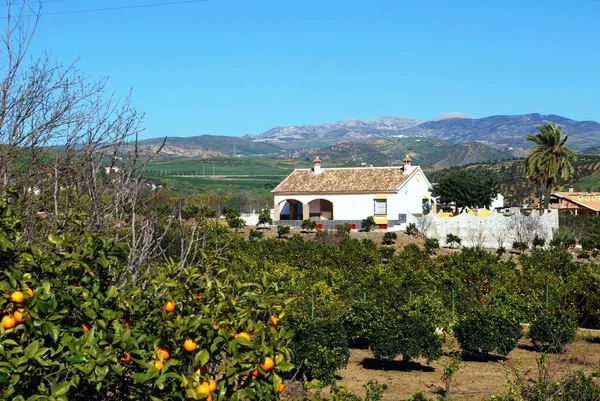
{"x":126,"y":357}
{"x":212,"y":385}
{"x":8,"y":322}
{"x":255,"y":373}
{"x":29,"y":291}
{"x":190,"y":345}
{"x":273,"y":320}
{"x":162,"y":352}
{"x":17,"y":297}
{"x":85,"y":327}
{"x":159,"y":365}
{"x":267,"y":364}
{"x":20,"y":315}
{"x":169,"y":306}
{"x":243,"y":334}
{"x":198,"y":296}
{"x":281,"y":387}
{"x":203,"y":388}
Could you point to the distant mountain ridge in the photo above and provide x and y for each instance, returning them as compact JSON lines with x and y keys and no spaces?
{"x":501,"y":131}
{"x":450,"y":139}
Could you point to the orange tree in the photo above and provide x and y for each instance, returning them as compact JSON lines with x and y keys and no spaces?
{"x":77,"y":324}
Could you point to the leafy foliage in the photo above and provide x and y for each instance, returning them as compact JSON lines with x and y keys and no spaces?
{"x":264,"y":217}
{"x":283,"y":231}
{"x":465,"y":189}
{"x":488,"y":329}
{"x":549,"y":158}
{"x":453,"y":240}
{"x":320,"y":347}
{"x":431,"y":244}
{"x":389,"y":238}
{"x":552,"y":330}
{"x":309,"y":224}
{"x":368,"y":224}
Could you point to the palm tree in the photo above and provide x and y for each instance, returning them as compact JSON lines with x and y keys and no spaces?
{"x":548,"y":159}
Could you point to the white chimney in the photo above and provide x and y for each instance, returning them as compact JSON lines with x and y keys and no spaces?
{"x":407,"y":165}
{"x":317,"y":165}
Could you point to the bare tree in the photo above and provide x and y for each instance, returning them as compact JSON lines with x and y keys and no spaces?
{"x":525,"y":227}
{"x":477,"y":236}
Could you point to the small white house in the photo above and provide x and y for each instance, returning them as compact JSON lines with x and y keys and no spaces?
{"x":394,"y":196}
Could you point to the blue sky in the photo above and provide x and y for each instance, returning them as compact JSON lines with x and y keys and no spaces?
{"x":233,"y":67}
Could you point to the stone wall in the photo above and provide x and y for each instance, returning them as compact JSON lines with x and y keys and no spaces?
{"x":493,"y":231}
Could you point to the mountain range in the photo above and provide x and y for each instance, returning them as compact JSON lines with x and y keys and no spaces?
{"x":447,"y":140}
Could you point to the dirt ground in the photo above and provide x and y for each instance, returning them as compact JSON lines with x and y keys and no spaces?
{"x":475,"y":380}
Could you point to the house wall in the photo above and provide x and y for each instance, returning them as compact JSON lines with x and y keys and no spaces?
{"x":407,"y":201}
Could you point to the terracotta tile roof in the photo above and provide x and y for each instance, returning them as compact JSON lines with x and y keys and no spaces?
{"x":590,"y":204}
{"x":344,"y":180}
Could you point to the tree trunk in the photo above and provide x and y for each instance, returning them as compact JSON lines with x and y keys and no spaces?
{"x":547,"y":192}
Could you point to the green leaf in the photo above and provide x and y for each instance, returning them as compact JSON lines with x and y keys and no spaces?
{"x":61,"y":389}
{"x":55,"y":239}
{"x":78,"y":358}
{"x":202,"y":357}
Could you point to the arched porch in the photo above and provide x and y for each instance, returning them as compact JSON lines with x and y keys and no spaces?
{"x":289,"y":209}
{"x":320,"y":209}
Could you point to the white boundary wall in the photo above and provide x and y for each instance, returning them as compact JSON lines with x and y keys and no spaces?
{"x":492,"y":231}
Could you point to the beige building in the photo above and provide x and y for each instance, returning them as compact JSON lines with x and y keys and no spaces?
{"x":577,"y":203}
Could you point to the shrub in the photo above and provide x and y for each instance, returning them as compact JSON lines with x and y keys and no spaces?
{"x":343,"y":229}
{"x":520,"y":246}
{"x":283,"y":231}
{"x":309,"y":224}
{"x":255,"y":234}
{"x":538,"y":242}
{"x":389,"y":238}
{"x":412,"y":230}
{"x":368,"y":224}
{"x":453,"y":240}
{"x":408,"y":332}
{"x":563,"y":238}
{"x":501,"y":251}
{"x":233,"y":218}
{"x":264,"y":218}
{"x":584,"y":255}
{"x":576,"y":386}
{"x":587,"y":243}
{"x":488,"y":329}
{"x":320,"y":346}
{"x":386,"y":253}
{"x":357,"y":321}
{"x":431,"y":244}
{"x":553,"y":330}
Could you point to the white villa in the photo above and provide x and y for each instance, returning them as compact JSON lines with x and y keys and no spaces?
{"x":394,"y":196}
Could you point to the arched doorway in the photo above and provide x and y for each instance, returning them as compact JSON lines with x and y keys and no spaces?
{"x":291,"y":209}
{"x":320,"y":209}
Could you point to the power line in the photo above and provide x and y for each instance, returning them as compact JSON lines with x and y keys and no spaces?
{"x":93,"y":10}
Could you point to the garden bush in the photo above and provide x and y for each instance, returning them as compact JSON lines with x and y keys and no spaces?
{"x":431,"y":244}
{"x":552,"y":330}
{"x":453,"y":240}
{"x":368,"y":224}
{"x":308,"y":224}
{"x":283,"y":231}
{"x":320,"y":346}
{"x":389,"y":238}
{"x":493,"y":328}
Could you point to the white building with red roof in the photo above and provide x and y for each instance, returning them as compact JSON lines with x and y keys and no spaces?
{"x":394,"y":196}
